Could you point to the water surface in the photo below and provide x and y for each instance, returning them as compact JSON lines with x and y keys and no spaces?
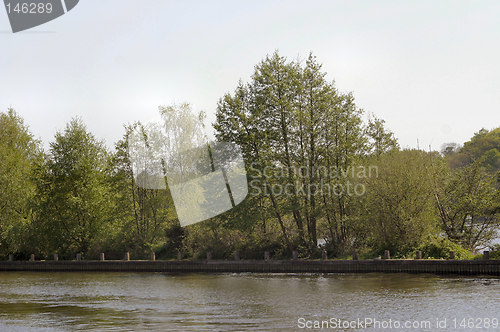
{"x":236,"y":302}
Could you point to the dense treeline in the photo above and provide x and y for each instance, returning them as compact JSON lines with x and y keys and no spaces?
{"x":319,"y":176}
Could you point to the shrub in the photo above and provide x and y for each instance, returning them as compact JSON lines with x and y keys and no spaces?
{"x":440,"y":247}
{"x":495,"y":252}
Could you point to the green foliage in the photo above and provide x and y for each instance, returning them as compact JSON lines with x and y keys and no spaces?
{"x":484,"y":148}
{"x":175,"y":236}
{"x":382,"y":140}
{"x":495,"y":251}
{"x":298,"y":134}
{"x":18,"y":153}
{"x":440,"y":247}
{"x":398,"y":208}
{"x":292,"y":125}
{"x":73,"y":194}
{"x":254,"y":246}
{"x":469,"y":205}
{"x":484,"y":142}
{"x":224,"y":242}
{"x":203,"y":238}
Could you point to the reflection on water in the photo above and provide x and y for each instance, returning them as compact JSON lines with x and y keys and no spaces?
{"x":201,"y":302}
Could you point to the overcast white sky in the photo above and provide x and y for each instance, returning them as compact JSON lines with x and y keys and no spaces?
{"x":431,"y":69}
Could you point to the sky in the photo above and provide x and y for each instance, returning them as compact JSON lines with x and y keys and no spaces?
{"x":430,"y":69}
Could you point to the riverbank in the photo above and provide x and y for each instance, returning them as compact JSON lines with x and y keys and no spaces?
{"x":460,"y":267}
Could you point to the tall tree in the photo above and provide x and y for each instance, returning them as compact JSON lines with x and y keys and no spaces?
{"x":18,"y":152}
{"x":144,"y":212}
{"x":469,"y":205}
{"x":399,"y":208}
{"x":291,"y":124}
{"x":381,"y":139}
{"x":73,"y":197}
{"x":484,"y":147}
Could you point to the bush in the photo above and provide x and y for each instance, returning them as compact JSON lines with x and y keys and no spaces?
{"x":495,"y":252}
{"x":253,"y":247}
{"x":440,"y":247}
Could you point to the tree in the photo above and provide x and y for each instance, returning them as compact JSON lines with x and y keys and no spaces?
{"x":382,"y":140}
{"x":451,"y":148}
{"x":73,"y":196}
{"x":398,"y":206}
{"x":143,"y":213}
{"x":484,"y":146}
{"x":292,"y":125}
{"x":18,"y":151}
{"x":469,"y":205}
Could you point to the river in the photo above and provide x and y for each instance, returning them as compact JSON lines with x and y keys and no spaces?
{"x":72,"y":301}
